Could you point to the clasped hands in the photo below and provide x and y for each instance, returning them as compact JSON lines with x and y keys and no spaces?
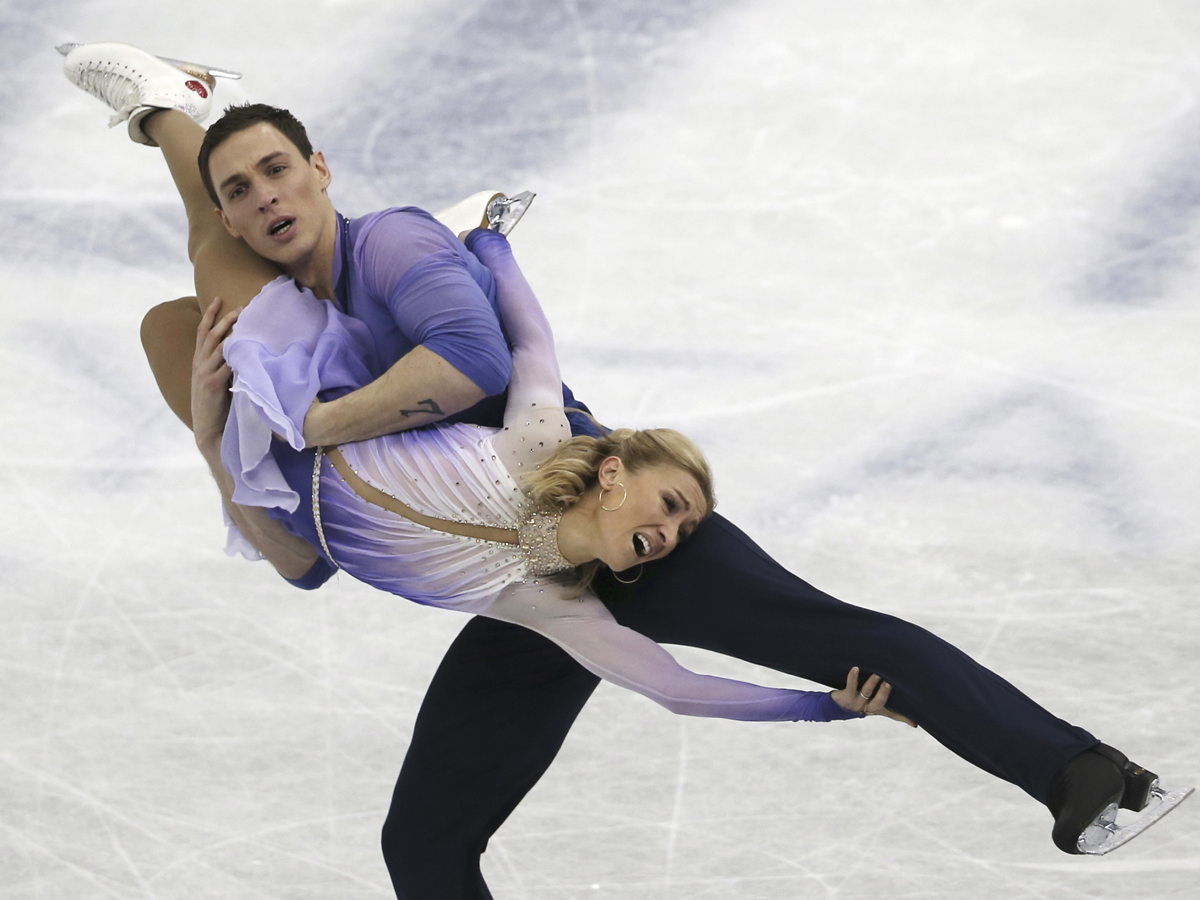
{"x":870,"y":699}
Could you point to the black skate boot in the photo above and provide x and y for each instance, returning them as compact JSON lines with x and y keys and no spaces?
{"x":1139,"y":782}
{"x":1086,"y":794}
{"x":1086,"y":789}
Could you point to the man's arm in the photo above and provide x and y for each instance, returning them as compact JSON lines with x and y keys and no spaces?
{"x":414,"y":267}
{"x":418,"y":389}
{"x":291,"y":556}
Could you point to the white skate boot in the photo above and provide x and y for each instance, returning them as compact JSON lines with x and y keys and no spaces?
{"x":487,"y":209}
{"x":134,"y":84}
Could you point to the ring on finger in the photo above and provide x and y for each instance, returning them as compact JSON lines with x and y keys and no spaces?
{"x":864,"y":696}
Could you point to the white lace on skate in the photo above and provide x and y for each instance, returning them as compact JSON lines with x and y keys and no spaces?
{"x":106,"y":82}
{"x":1106,"y":834}
{"x":133,"y":83}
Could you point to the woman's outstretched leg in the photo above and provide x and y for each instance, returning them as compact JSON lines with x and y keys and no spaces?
{"x":163,"y":103}
{"x":224,"y":266}
{"x":169,"y":340}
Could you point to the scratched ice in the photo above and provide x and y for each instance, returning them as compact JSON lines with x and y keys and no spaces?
{"x":920,"y":277}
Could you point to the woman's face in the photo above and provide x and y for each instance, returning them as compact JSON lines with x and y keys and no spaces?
{"x":662,"y":506}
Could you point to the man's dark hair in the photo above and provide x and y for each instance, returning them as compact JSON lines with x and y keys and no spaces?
{"x":239,"y":118}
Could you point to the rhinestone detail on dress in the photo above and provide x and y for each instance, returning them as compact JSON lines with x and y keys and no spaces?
{"x":537,"y":536}
{"x":316,"y":504}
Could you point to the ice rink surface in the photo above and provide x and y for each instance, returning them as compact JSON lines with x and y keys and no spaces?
{"x":920,"y":277}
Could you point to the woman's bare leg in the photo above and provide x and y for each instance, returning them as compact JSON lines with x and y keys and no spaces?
{"x":224,"y":266}
{"x":169,"y":339}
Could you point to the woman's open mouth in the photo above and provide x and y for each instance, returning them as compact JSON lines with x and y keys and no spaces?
{"x":641,"y":545}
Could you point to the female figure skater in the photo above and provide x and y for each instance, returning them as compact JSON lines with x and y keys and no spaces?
{"x":501,"y":687}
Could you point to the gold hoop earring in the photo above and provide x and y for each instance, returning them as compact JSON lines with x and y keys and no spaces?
{"x":624,"y":494}
{"x":631,"y":580}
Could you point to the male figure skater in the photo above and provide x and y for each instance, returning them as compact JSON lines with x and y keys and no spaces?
{"x":504,"y":698}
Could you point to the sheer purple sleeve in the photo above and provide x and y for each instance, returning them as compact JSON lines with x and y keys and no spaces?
{"x":420,"y":270}
{"x":535,"y":422}
{"x":587,"y":631}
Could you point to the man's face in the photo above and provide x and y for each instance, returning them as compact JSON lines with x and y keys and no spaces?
{"x":271,"y":197}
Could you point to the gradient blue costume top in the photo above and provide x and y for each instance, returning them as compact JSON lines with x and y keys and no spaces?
{"x":408,"y":281}
{"x":411,"y":282}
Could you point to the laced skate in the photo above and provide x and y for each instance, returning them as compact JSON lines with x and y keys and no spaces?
{"x":134,"y":83}
{"x":487,"y":209}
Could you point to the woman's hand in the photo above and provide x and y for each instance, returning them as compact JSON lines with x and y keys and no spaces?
{"x":211,"y":376}
{"x":870,"y":699}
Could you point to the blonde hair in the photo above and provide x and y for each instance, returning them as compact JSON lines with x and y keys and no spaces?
{"x":572,"y":470}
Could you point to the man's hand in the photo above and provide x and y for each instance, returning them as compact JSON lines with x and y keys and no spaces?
{"x":211,"y":376}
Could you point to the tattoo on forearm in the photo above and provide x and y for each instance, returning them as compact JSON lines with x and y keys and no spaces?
{"x":431,"y":409}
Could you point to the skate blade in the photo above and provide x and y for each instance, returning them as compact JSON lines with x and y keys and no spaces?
{"x":192,"y":68}
{"x":510,"y":211}
{"x":468,"y":214}
{"x":1105,"y":835}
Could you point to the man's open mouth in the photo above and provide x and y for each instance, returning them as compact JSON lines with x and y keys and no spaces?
{"x":280,"y":227}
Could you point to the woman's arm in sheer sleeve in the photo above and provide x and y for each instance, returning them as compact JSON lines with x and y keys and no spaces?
{"x":586,"y":630}
{"x":534,"y":420}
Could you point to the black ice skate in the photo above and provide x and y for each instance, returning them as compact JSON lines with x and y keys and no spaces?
{"x":1088,"y":792}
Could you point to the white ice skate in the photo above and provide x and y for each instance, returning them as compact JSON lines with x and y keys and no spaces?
{"x":1105,"y":834}
{"x":134,"y":83}
{"x":487,"y":209}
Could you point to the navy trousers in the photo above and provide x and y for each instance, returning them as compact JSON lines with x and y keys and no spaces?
{"x":504,"y":698}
